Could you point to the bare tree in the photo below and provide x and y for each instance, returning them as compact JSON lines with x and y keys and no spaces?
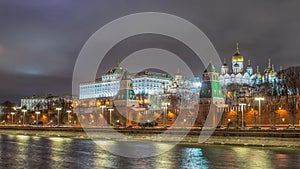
{"x":271,"y":91}
{"x":8,"y":107}
{"x":290,"y":89}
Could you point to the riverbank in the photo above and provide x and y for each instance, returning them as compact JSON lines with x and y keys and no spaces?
{"x":267,"y":138}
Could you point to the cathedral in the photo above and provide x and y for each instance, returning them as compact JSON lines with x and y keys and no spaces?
{"x":239,"y":74}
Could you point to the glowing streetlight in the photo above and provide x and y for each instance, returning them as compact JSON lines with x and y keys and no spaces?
{"x":259,"y":99}
{"x":12,"y":117}
{"x":58,"y":109}
{"x":254,"y":115}
{"x":37,"y":117}
{"x":242,"y":107}
{"x":110,"y":110}
{"x":165,"y":107}
{"x":24,"y":111}
{"x":69,"y":111}
{"x":102,"y":107}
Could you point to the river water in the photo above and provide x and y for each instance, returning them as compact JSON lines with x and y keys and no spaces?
{"x":19,"y":151}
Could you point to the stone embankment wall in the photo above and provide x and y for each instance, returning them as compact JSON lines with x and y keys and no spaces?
{"x":285,"y":138}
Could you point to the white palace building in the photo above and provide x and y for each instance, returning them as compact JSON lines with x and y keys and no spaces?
{"x":145,"y":82}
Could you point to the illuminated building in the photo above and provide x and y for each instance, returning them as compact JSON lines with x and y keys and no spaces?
{"x":240,"y":75}
{"x":211,"y":97}
{"x":44,"y":102}
{"x":145,"y":83}
{"x":150,"y":82}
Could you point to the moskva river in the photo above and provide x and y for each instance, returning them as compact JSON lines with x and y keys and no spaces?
{"x":18,"y":151}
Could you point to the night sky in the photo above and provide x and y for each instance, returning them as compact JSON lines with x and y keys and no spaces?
{"x":40,"y":40}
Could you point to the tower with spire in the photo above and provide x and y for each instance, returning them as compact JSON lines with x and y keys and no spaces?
{"x":225,"y":68}
{"x":211,"y":96}
{"x":237,"y":61}
{"x":238,"y":73}
{"x":247,"y":76}
{"x":249,"y":68}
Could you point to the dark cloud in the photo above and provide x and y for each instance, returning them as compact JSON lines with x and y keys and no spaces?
{"x":40,"y":40}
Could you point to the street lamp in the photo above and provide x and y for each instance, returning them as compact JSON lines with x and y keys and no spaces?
{"x":254,"y":115}
{"x":242,"y":107}
{"x":259,"y":99}
{"x":165,"y":107}
{"x":37,"y":117}
{"x":24,"y":111}
{"x":58,"y":109}
{"x":69,"y":111}
{"x":283,"y":119}
{"x":102,"y":107}
{"x":12,"y":117}
{"x":110,"y":110}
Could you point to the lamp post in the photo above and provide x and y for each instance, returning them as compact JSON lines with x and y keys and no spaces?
{"x":259,"y":99}
{"x":254,"y":115}
{"x":12,"y":117}
{"x":228,"y":124}
{"x":242,"y":107}
{"x":69,"y":111}
{"x":165,"y":107}
{"x":24,"y":111}
{"x":37,"y":117}
{"x":58,"y":109}
{"x":102,"y":107}
{"x":283,"y":119}
{"x":110,"y":110}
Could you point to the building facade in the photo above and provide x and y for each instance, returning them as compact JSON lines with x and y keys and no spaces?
{"x":211,"y":98}
{"x":143,"y":83}
{"x":45,"y":102}
{"x":238,"y":73}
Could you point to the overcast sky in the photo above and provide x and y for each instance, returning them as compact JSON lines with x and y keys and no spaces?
{"x":40,"y":40}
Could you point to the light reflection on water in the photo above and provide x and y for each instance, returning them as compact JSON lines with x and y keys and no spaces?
{"x":38,"y":152}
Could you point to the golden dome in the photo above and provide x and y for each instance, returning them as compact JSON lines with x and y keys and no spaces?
{"x":257,"y":74}
{"x":269,"y":68}
{"x":273,"y":73}
{"x":237,"y":57}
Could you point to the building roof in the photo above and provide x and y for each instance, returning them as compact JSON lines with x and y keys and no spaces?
{"x":210,"y":68}
{"x":118,"y":69}
{"x":237,"y":57}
